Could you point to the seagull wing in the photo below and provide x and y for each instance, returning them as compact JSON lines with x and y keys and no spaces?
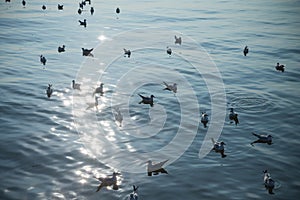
{"x":160,"y":164}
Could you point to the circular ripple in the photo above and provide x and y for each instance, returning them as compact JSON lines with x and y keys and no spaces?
{"x":252,"y":103}
{"x":129,"y":147}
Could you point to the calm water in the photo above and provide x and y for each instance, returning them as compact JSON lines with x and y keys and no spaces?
{"x":52,"y":148}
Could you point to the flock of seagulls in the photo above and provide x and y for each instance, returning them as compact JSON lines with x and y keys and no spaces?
{"x":154,"y":168}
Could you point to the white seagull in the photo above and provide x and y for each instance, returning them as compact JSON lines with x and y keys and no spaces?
{"x":99,"y":90}
{"x":156,"y":168}
{"x":269,"y":182}
{"x":75,"y":86}
{"x":219,"y":147}
{"x":170,"y":87}
{"x":262,"y":139}
{"x":177,"y":40}
{"x":118,"y":116}
{"x":94,"y":104}
{"x":108,"y":181}
{"x":134,"y":195}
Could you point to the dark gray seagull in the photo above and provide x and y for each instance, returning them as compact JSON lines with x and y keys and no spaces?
{"x":147,"y":100}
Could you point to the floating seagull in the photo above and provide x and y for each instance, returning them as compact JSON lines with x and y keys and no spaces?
{"x":99,"y":90}
{"x":219,"y":147}
{"x":82,"y":23}
{"x":233,"y":116}
{"x":156,"y":168}
{"x":95,"y":104}
{"x":169,"y":51}
{"x":7,"y":0}
{"x":172,"y":88}
{"x":177,"y":40}
{"x":118,"y":10}
{"x":279,"y":67}
{"x":79,"y":11}
{"x":75,"y":86}
{"x":44,"y":7}
{"x":147,"y":100}
{"x":134,"y":195}
{"x":81,"y":5}
{"x":24,"y":3}
{"x":92,"y":10}
{"x":43,"y":59}
{"x":60,"y":7}
{"x":269,"y":182}
{"x":246,"y":50}
{"x":87,"y":52}
{"x":118,"y":116}
{"x":204,"y":119}
{"x":108,"y":182}
{"x":262,"y":139}
{"x":127,"y":52}
{"x":49,"y":90}
{"x":61,"y":49}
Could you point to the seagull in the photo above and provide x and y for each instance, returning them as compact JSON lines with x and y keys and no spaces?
{"x":60,"y":7}
{"x":61,"y":49}
{"x":95,"y":104}
{"x":177,"y":40}
{"x":99,"y":90}
{"x":118,"y":10}
{"x":87,"y":52}
{"x":219,"y":147}
{"x":147,"y":100}
{"x":172,"y":88}
{"x":118,"y":116}
{"x":156,"y":168}
{"x":79,"y":11}
{"x":204,"y":119}
{"x":262,"y":139}
{"x":49,"y":90}
{"x":82,"y":23}
{"x":92,"y":10}
{"x":134,"y":195}
{"x":246,"y":50}
{"x":127,"y":52}
{"x":108,"y":182}
{"x":75,"y":86}
{"x":43,"y":59}
{"x":268,"y":182}
{"x":24,"y":3}
{"x":81,"y":5}
{"x":233,"y":116}
{"x":169,"y":51}
{"x":44,"y":7}
{"x":279,"y":67}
